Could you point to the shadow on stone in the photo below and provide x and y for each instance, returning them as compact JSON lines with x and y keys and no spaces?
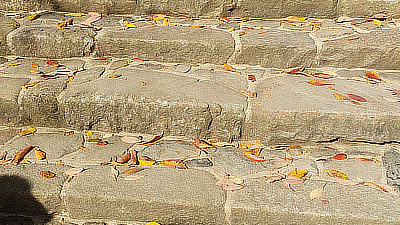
{"x":16,"y":200}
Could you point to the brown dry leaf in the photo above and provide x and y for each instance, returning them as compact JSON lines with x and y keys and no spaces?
{"x":253,"y":157}
{"x":293,"y":180}
{"x":59,"y":162}
{"x":242,"y":32}
{"x":173,"y":163}
{"x":202,"y":144}
{"x":318,"y":82}
{"x":142,"y":83}
{"x":35,"y":71}
{"x":229,"y":68}
{"x":294,"y":19}
{"x":103,"y":58}
{"x":372,"y":75}
{"x":34,"y":65}
{"x":125,"y":158}
{"x":134,"y":157}
{"x":300,"y":173}
{"x":52,"y":63}
{"x":102,"y":142}
{"x":19,"y":156}
{"x":47,"y":174}
{"x":68,"y":133}
{"x":40,"y":154}
{"x":132,"y":171}
{"x":245,"y":145}
{"x":340,"y":97}
{"x":228,"y":185}
{"x":74,"y":171}
{"x":297,"y":70}
{"x":329,"y":148}
{"x":146,"y":161}
{"x":356,"y":98}
{"x":379,"y":16}
{"x":114,"y":172}
{"x":30,"y":84}
{"x":114,"y":76}
{"x":153,"y":141}
{"x":322,"y":75}
{"x":93,"y":140}
{"x":337,"y":174}
{"x":365,"y":159}
{"x":280,"y":162}
{"x":251,"y":78}
{"x":317,"y":193}
{"x":374,"y":185}
{"x":293,"y":146}
{"x":3,"y":155}
{"x":340,"y":156}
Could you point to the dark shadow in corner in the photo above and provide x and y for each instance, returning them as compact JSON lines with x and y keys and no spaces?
{"x":17,"y":205}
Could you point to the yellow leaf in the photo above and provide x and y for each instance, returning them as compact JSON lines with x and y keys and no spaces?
{"x":165,"y":22}
{"x":245,"y":145}
{"x":69,"y":79}
{"x":89,"y":133}
{"x":130,"y":25}
{"x":74,"y":14}
{"x":268,"y":95}
{"x":33,"y":17}
{"x":337,"y":174}
{"x":34,"y":65}
{"x":300,"y":173}
{"x":40,"y":154}
{"x":114,"y":76}
{"x":15,"y":64}
{"x":25,"y":162}
{"x":377,"y":22}
{"x":132,"y":171}
{"x":159,"y":17}
{"x":340,"y":97}
{"x":152,"y":223}
{"x":229,"y":68}
{"x":47,"y":174}
{"x":293,"y":146}
{"x":375,"y":160}
{"x":142,"y":83}
{"x":242,"y":32}
{"x":30,"y":84}
{"x":28,"y":131}
{"x":173,"y":163}
{"x":294,"y":19}
{"x":231,"y":29}
{"x":146,"y":163}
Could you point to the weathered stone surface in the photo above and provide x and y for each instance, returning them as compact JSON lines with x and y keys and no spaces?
{"x":171,"y":150}
{"x":167,"y":44}
{"x":170,"y":103}
{"x":297,"y":112}
{"x":281,"y":9}
{"x":26,"y":191}
{"x":191,"y":196}
{"x":87,"y":75}
{"x":17,"y":5}
{"x":377,"y":49}
{"x":6,"y":26}
{"x":366,"y":8}
{"x":276,"y":48}
{"x":118,"y":64}
{"x":9,"y":110}
{"x":55,"y":145}
{"x":391,"y":161}
{"x":50,"y":42}
{"x":39,"y":105}
{"x":331,"y":30}
{"x":278,"y":204}
{"x":7,"y":134}
{"x":205,"y":162}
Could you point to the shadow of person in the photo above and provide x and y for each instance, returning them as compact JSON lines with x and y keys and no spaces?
{"x":17,"y":205}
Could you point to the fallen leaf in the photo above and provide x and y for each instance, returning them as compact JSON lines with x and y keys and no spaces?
{"x":74,"y":171}
{"x":317,"y":193}
{"x":131,"y":140}
{"x":322,"y":75}
{"x":236,"y":180}
{"x":114,"y":76}
{"x":28,"y":131}
{"x":165,"y":22}
{"x":34,"y":65}
{"x":342,"y":19}
{"x":340,"y":156}
{"x":114,"y":172}
{"x":374,"y":185}
{"x":153,"y":141}
{"x":242,"y":32}
{"x":389,"y":188}
{"x":134,"y":177}
{"x":340,"y":97}
{"x":5,"y":162}
{"x":3,"y":155}
{"x":89,"y":133}
{"x":158,"y":17}
{"x":47,"y":174}
{"x":390,"y":99}
{"x":19,"y":156}
{"x":59,"y":162}
{"x":40,"y":154}
{"x":15,"y":64}
{"x":379,"y":16}
{"x":30,"y":84}
{"x":375,"y":160}
{"x":228,"y":185}
{"x":245,"y":145}
{"x":32,"y":17}
{"x":280,"y":162}
{"x":372,"y":75}
{"x":365,"y":159}
{"x":73,"y":14}
{"x":35,"y":71}
{"x":251,"y":78}
{"x":355,"y":103}
{"x":102,"y":142}
{"x":146,"y":161}
{"x":262,"y":32}
{"x":337,"y":174}
{"x":297,"y":70}
{"x":142,"y":83}
{"x":229,"y":68}
{"x":293,"y":146}
{"x":318,"y":82}
{"x":356,"y":98}
{"x":103,"y":58}
{"x":329,"y":148}
{"x":25,"y":162}
{"x":134,"y":157}
{"x":248,"y":93}
{"x":292,"y":180}
{"x":62,"y":25}
{"x":300,"y":173}
{"x":325,"y":202}
{"x":173,"y":163}
{"x":253,"y":157}
{"x":67,"y":133}
{"x":132,"y":171}
{"x":52,"y":63}
{"x":202,"y":144}
{"x":273,"y":177}
{"x":125,"y":158}
{"x":138,"y":60}
{"x":377,"y":22}
{"x":230,"y":29}
{"x":294,"y":19}
{"x":254,"y":151}
{"x":93,"y":18}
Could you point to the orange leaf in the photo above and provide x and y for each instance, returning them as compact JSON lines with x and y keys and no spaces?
{"x":35,"y":71}
{"x":297,"y":70}
{"x":134,"y":157}
{"x":253,"y":157}
{"x":52,"y":63}
{"x":132,"y":171}
{"x":153,"y":141}
{"x":372,"y":75}
{"x":322,"y":75}
{"x":254,"y":151}
{"x":3,"y":155}
{"x":40,"y":154}
{"x":293,"y":146}
{"x":318,"y":82}
{"x":142,"y":83}
{"x":294,"y":19}
{"x":329,"y":148}
{"x":28,"y":131}
{"x":101,"y":142}
{"x":280,"y":162}
{"x":114,"y":76}
{"x":34,"y":65}
{"x":19,"y":156}
{"x":337,"y":174}
{"x":340,"y":156}
{"x":374,"y":185}
{"x":30,"y":84}
{"x":202,"y":144}
{"x":245,"y":145}
{"x":103,"y":58}
{"x":300,"y":173}
{"x":365,"y":159}
{"x":251,"y":78}
{"x":125,"y":158}
{"x":356,"y":98}
{"x":173,"y":163}
{"x":340,"y":97}
{"x":229,"y":68}
{"x":47,"y":174}
{"x":146,"y":161}
{"x":68,"y":133}
{"x":242,"y":32}
{"x":138,"y":60}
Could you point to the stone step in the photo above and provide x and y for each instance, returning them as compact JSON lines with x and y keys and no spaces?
{"x":220,"y":8}
{"x":192,"y":195}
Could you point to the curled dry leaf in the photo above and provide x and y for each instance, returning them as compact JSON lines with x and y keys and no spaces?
{"x":173,"y":163}
{"x":297,"y":70}
{"x":322,"y":75}
{"x":228,"y":185}
{"x":374,"y":185}
{"x":245,"y":145}
{"x":131,"y":140}
{"x":52,"y":63}
{"x":125,"y":158}
{"x":337,"y":174}
{"x":114,"y":172}
{"x":103,"y":58}
{"x":294,"y":19}
{"x":67,"y":133}
{"x":317,"y":193}
{"x":40,"y":154}
{"x":3,"y":155}
{"x":34,"y":65}
{"x":242,"y":32}
{"x":19,"y":156}
{"x":356,"y":98}
{"x":293,"y":180}
{"x":329,"y":148}
{"x":134,"y":177}
{"x":202,"y":144}
{"x":47,"y":174}
{"x":142,"y":83}
{"x":254,"y":151}
{"x":340,"y":156}
{"x":114,"y":76}
{"x":102,"y":142}
{"x":251,"y":78}
{"x":318,"y":82}
{"x":229,"y":68}
{"x":134,"y":157}
{"x":93,"y":140}
{"x":30,"y":84}
{"x":372,"y":75}
{"x":230,"y":29}
{"x":35,"y":71}
{"x":340,"y":97}
{"x":25,"y":162}
{"x":153,"y":141}
{"x":254,"y":157}
{"x":138,"y":60}
{"x":146,"y":161}
{"x":293,"y":146}
{"x":33,"y":17}
{"x":132,"y":171}
{"x":74,"y":171}
{"x":300,"y":173}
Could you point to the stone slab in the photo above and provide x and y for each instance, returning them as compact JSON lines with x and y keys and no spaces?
{"x":9,"y":110}
{"x":190,"y":196}
{"x":17,"y":5}
{"x":87,"y":75}
{"x":296,"y":111}
{"x":165,"y":150}
{"x":50,"y":42}
{"x":7,"y":134}
{"x":276,"y":203}
{"x":391,"y":162}
{"x":168,"y":103}
{"x":55,"y":145}
{"x":24,"y":190}
{"x":376,"y":49}
{"x":366,"y":8}
{"x":167,"y":44}
{"x":276,"y":48}
{"x":6,"y":26}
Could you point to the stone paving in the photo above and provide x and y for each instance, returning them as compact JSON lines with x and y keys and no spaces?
{"x":270,"y":98}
